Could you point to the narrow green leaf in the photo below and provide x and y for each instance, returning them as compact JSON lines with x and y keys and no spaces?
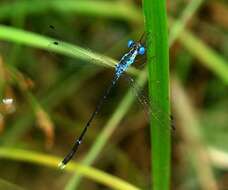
{"x":206,"y":55}
{"x":158,"y":67}
{"x":180,"y":24}
{"x":51,"y":161}
{"x":46,"y":43}
{"x":120,"y":10}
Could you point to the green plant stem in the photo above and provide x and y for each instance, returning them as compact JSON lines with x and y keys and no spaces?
{"x":51,"y":161}
{"x":158,"y":67}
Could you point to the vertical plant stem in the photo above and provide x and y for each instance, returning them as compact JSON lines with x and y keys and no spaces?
{"x":158,"y":67}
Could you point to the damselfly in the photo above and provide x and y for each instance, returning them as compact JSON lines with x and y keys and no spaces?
{"x":135,"y":49}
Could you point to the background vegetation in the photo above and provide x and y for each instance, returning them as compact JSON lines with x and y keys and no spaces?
{"x":54,"y":90}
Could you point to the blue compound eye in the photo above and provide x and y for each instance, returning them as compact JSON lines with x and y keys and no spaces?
{"x":130,"y":43}
{"x":141,"y":50}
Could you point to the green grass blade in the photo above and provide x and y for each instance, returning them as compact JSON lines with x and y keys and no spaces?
{"x":206,"y":55}
{"x":46,"y":43}
{"x":180,"y":24}
{"x":38,"y":41}
{"x":158,"y":67}
{"x":6,"y":185}
{"x":120,"y":10}
{"x":51,"y":161}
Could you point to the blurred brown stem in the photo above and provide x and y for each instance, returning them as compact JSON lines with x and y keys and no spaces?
{"x":190,"y":131}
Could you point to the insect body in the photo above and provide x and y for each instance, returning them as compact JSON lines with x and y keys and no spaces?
{"x":127,"y":60}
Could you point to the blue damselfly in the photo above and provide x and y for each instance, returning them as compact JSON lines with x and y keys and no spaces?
{"x":135,"y":49}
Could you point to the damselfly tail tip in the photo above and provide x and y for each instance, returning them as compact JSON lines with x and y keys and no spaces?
{"x":61,"y":165}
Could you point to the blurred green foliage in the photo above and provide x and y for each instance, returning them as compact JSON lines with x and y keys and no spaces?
{"x":55,"y":90}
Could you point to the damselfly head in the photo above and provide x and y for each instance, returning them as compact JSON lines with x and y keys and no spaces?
{"x":136,"y":45}
{"x":130,"y":43}
{"x":141,"y":50}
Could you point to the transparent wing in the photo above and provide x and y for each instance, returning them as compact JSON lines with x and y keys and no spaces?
{"x":149,"y":110}
{"x":80,"y":53}
{"x":74,"y":51}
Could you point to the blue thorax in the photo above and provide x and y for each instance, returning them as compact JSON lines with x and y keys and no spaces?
{"x":127,"y":60}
